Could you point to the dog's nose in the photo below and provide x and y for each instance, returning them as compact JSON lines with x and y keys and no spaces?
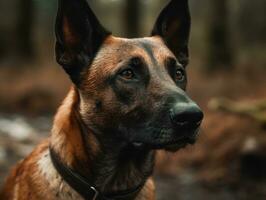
{"x":183,"y":114}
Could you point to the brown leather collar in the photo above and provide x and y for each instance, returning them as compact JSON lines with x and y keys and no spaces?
{"x":81,"y":185}
{"x":84,"y":188}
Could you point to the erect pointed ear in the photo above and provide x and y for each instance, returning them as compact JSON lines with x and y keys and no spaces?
{"x":78,"y":37}
{"x":173,"y":25}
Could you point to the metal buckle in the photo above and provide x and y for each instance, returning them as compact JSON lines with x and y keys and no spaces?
{"x":96,"y":193}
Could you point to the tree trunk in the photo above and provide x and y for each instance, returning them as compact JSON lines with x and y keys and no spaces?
{"x":24,"y":39}
{"x":3,"y":45}
{"x":251,"y":22}
{"x":220,"y":53}
{"x":132,"y":17}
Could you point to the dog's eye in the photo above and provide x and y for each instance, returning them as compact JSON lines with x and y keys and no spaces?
{"x":127,"y":74}
{"x":180,"y":75}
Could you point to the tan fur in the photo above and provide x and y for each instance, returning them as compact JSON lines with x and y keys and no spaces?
{"x":35,"y":178}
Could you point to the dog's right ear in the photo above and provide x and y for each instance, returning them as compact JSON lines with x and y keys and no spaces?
{"x":78,"y":37}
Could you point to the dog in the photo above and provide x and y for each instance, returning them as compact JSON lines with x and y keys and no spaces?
{"x":127,"y":101}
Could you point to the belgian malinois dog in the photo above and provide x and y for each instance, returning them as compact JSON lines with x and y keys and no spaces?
{"x":128,"y":99}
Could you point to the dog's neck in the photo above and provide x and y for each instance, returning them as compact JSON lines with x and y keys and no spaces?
{"x":110,"y":167}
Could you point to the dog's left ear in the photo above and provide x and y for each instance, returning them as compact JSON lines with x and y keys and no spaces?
{"x":79,"y":35}
{"x":173,"y":25}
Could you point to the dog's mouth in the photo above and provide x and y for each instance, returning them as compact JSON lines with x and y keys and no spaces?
{"x":164,"y":137}
{"x":173,"y":145}
{"x":168,"y":139}
{"x":180,"y":144}
{"x":169,"y":142}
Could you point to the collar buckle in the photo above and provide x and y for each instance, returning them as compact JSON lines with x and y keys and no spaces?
{"x":96,"y":193}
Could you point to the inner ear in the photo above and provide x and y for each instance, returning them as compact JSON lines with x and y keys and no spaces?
{"x":71,"y":39}
{"x":79,"y":36}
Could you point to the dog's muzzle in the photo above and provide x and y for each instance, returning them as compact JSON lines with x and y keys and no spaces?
{"x":185,"y":120}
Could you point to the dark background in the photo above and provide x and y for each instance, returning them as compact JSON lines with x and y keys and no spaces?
{"x":227,"y":77}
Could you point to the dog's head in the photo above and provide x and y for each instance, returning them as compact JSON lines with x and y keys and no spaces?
{"x":130,"y":89}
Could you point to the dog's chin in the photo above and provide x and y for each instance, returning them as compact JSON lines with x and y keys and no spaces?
{"x":174,"y":146}
{"x":169,"y":139}
{"x":180,"y":145}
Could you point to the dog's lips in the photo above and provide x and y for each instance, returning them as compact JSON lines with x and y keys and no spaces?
{"x":173,"y":145}
{"x":179,"y":145}
{"x":171,"y":140}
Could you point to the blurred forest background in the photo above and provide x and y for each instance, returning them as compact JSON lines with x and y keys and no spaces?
{"x":227,"y":77}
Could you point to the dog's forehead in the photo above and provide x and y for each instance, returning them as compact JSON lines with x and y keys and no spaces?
{"x":116,"y":49}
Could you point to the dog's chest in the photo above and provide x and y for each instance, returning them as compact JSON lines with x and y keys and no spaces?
{"x":56,"y":188}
